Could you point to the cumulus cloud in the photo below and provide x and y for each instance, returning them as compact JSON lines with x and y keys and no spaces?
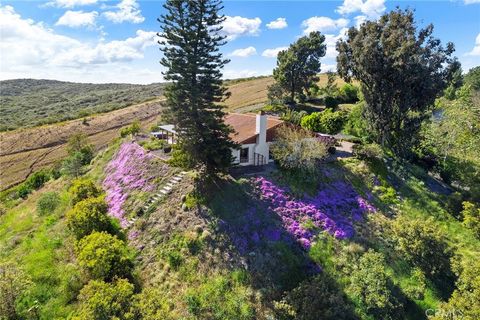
{"x":28,"y":46}
{"x":323,"y":24}
{"x":246,"y":52}
{"x":234,"y":27}
{"x":372,"y":9}
{"x":279,"y":23}
{"x":272,"y":53}
{"x":471,"y":1}
{"x":127,"y":11}
{"x":71,"y":3}
{"x":476,"y":49}
{"x":234,"y":74}
{"x":76,"y":19}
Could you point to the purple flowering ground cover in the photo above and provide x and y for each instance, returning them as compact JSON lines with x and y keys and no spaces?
{"x":126,"y":172}
{"x":334,"y":209}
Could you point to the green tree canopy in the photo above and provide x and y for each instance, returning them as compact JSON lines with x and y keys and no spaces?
{"x":401,"y":70}
{"x":192,"y":37}
{"x":89,"y":215}
{"x":104,"y":301}
{"x":104,"y":256}
{"x":298,"y":66}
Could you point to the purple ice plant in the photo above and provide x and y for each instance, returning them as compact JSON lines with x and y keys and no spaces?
{"x":333,"y":209}
{"x":126,"y":172}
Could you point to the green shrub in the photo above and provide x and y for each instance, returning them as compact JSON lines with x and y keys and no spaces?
{"x":89,"y":215}
{"x":73,"y":165}
{"x":151,"y":304}
{"x":415,"y":289}
{"x":13,"y":284}
{"x":465,"y":300}
{"x":23,"y":190}
{"x":423,"y":245}
{"x":132,"y":129}
{"x":370,"y":151}
{"x":296,"y":149}
{"x":104,"y":257}
{"x":371,"y":287}
{"x":181,"y":159}
{"x":348,"y":93}
{"x":82,"y":189}
{"x":99,"y":300}
{"x":47,"y":203}
{"x":36,"y":180}
{"x":220,"y":298}
{"x":293,"y":116}
{"x":356,"y":125}
{"x":326,"y":122}
{"x":331,"y":102}
{"x":153,"y":144}
{"x":78,"y":146}
{"x":471,"y":217}
{"x":319,"y":295}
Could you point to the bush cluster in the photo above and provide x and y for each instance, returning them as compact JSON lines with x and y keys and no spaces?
{"x":89,"y":215}
{"x":132,"y":129}
{"x":47,"y":203}
{"x":325,"y":122}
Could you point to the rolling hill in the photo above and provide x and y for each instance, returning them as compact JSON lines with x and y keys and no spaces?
{"x":30,"y":102}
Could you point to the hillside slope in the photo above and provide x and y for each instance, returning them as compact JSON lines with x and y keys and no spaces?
{"x":30,"y":102}
{"x":27,"y":150}
{"x":263,"y":247}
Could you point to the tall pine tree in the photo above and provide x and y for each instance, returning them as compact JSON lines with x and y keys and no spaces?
{"x":191,"y":32}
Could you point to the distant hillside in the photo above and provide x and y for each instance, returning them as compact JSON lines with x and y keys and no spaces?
{"x":29,"y":102}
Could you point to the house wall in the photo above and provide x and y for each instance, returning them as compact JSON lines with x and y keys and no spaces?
{"x":236,"y":154}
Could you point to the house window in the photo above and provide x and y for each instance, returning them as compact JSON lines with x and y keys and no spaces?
{"x":244,"y":155}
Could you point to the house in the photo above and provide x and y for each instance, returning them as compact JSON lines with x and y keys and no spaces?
{"x":253,"y":132}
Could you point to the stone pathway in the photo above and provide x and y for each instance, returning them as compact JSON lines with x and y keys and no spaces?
{"x":167,"y":189}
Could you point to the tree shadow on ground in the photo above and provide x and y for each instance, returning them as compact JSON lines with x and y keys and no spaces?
{"x":277,"y":263}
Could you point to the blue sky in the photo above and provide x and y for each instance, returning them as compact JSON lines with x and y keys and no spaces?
{"x":114,"y":41}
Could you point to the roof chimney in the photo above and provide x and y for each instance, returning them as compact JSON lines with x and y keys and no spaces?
{"x":261,"y":127}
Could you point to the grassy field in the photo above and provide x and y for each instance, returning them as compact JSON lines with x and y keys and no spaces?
{"x":29,"y":102}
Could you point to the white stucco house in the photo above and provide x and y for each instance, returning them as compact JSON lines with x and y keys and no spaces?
{"x":253,"y":132}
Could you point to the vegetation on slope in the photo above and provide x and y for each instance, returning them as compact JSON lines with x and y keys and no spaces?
{"x":29,"y":102}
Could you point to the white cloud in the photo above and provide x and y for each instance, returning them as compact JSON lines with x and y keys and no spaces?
{"x":476,"y":49}
{"x":323,"y":24}
{"x":235,"y":74}
{"x":77,"y":19}
{"x":234,"y":27}
{"x":279,"y":23}
{"x":30,"y":49}
{"x":71,"y":3}
{"x":370,"y":8}
{"x":359,"y":20}
{"x":471,"y":1}
{"x":246,"y":52}
{"x":128,"y":11}
{"x":272,"y":53}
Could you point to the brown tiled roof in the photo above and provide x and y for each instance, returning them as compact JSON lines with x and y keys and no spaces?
{"x":245,"y":124}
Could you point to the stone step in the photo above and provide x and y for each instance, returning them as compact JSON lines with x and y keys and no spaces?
{"x":167,"y":188}
{"x":164,"y":191}
{"x":183,"y":172}
{"x":177,"y":178}
{"x":169,"y":184}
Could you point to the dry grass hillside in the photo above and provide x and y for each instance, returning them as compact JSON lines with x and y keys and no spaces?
{"x":27,"y":150}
